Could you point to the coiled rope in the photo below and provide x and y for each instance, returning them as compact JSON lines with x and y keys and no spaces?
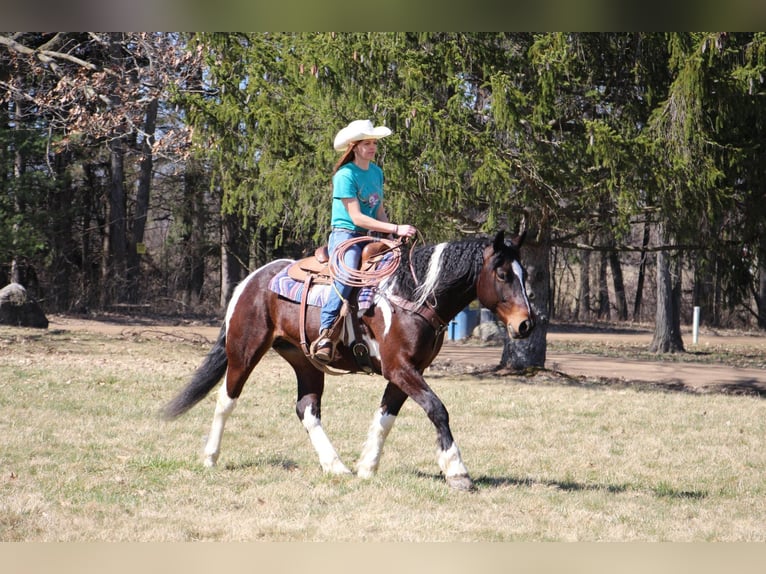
{"x":385,"y":267}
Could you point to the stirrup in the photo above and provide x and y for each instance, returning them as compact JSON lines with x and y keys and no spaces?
{"x":323,"y":349}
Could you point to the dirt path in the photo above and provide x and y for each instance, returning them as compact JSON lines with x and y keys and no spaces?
{"x":697,"y":376}
{"x":691,"y":376}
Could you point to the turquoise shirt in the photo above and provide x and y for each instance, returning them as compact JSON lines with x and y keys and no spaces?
{"x":350,"y":181}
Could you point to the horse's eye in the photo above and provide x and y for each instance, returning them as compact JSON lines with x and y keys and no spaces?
{"x":501,"y":274}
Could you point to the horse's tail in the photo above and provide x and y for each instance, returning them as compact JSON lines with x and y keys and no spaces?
{"x":204,"y":379}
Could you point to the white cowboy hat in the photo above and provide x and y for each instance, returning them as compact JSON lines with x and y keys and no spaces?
{"x":359,"y":130}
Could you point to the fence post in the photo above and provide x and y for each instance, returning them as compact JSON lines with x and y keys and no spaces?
{"x":696,"y":325}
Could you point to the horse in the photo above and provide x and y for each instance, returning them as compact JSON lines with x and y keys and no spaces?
{"x":403,"y":329}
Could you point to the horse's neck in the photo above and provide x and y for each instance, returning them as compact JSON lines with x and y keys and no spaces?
{"x":450,"y":303}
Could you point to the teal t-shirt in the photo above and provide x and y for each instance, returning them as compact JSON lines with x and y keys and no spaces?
{"x":365,"y":185}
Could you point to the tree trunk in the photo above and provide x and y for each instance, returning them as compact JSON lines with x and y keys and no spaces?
{"x":142,"y":202}
{"x":18,"y":172}
{"x":667,"y":327}
{"x":582,"y":311}
{"x":193,"y":222}
{"x":641,"y":275}
{"x":89,"y":282}
{"x":61,"y":225}
{"x":604,"y":312}
{"x":521,"y":354}
{"x":232,"y":257}
{"x":760,"y":299}
{"x":717,"y":297}
{"x":115,"y":272}
{"x":620,"y":300}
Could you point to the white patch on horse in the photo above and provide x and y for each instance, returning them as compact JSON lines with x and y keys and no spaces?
{"x":328,"y":457}
{"x":241,"y":287}
{"x":348,"y":335}
{"x":519,"y":272}
{"x":372,"y":346}
{"x":428,"y":286}
{"x":369,"y":460}
{"x":382,"y":304}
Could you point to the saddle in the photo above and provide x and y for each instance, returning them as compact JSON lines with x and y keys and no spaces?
{"x":317,"y":265}
{"x":315,"y":269}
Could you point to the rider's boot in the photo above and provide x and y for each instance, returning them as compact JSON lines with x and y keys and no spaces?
{"x":323,"y":349}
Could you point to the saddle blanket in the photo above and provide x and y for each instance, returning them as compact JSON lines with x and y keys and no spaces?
{"x":285,"y":286}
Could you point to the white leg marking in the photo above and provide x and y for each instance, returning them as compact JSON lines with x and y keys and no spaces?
{"x":328,"y":457}
{"x":223,"y":408}
{"x":373,"y":447}
{"x":451,"y":463}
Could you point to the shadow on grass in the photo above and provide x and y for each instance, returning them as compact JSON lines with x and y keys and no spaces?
{"x":273,"y":461}
{"x":662,"y":490}
{"x":744,"y":386}
{"x":566,"y":485}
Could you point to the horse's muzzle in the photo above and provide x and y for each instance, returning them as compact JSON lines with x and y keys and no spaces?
{"x":523,"y":329}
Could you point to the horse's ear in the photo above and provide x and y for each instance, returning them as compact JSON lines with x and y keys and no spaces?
{"x":518,"y":240}
{"x":499,"y":242}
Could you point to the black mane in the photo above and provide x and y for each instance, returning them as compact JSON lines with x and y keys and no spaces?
{"x":461,"y":262}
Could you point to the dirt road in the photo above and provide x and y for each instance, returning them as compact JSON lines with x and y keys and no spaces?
{"x":679,"y":375}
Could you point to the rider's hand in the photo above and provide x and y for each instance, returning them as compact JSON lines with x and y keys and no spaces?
{"x":406,"y":230}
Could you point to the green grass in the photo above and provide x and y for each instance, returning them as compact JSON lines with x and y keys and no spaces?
{"x":85,"y":458}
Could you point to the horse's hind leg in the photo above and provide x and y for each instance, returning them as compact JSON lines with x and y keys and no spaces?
{"x":236,"y":375}
{"x":382,"y":423}
{"x":223,"y":408}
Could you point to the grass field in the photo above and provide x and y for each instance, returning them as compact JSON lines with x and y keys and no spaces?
{"x":85,"y":458}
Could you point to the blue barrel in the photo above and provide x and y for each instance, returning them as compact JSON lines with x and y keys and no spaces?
{"x":463,"y":324}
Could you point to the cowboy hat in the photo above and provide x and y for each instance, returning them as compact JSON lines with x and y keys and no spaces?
{"x":359,"y":130}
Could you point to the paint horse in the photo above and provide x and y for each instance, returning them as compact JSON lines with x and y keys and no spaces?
{"x":403,"y":330}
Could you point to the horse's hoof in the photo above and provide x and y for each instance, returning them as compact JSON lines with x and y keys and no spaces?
{"x":210,"y":461}
{"x":337,"y":467}
{"x":461,"y":482}
{"x":365,"y":473}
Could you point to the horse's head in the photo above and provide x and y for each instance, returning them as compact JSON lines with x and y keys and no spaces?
{"x":501,"y":286}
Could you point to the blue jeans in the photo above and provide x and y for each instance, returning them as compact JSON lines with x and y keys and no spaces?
{"x":339,"y":291}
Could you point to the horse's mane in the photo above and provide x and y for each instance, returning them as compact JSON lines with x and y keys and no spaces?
{"x":439,"y":268}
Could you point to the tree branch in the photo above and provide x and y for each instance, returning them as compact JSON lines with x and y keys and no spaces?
{"x":46,"y":56}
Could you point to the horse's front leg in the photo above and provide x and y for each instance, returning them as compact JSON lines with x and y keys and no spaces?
{"x":450,"y":461}
{"x":382,"y":423}
{"x":308,"y":409}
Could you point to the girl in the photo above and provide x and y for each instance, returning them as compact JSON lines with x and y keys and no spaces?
{"x":357,"y":208}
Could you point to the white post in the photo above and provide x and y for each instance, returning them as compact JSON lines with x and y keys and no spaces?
{"x":696,"y":325}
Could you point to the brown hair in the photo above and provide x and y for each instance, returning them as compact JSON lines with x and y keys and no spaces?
{"x":347,"y":157}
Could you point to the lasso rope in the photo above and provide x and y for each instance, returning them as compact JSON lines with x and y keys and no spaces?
{"x":358,"y":277}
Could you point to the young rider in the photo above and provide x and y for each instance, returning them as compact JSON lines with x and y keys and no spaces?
{"x":357,"y":208}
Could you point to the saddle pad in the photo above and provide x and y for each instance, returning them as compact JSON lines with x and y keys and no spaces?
{"x":285,"y":286}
